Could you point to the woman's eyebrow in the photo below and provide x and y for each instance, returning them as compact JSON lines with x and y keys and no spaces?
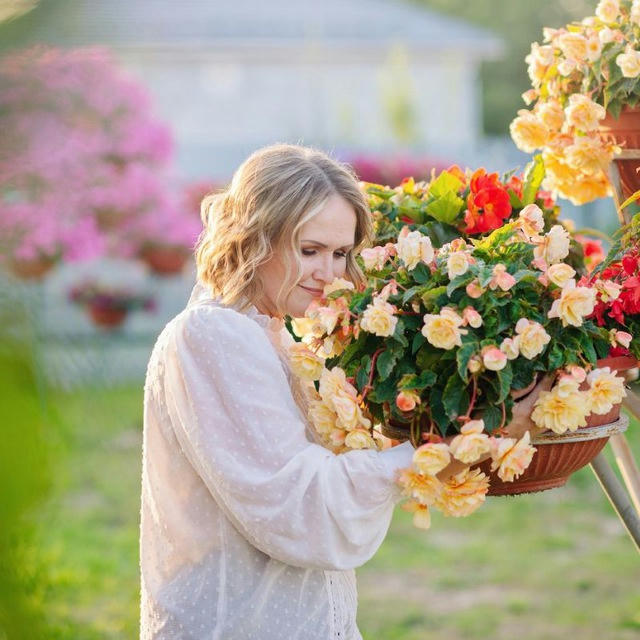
{"x":324,"y":246}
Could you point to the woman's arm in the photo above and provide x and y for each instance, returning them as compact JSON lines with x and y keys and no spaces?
{"x":232,"y":411}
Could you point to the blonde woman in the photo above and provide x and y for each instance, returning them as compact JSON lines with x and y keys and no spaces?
{"x":249,"y":529}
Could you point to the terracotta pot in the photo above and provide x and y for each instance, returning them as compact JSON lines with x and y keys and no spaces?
{"x":105,"y":317}
{"x":556,"y":458}
{"x":625,"y":132}
{"x":34,"y":269}
{"x":164,"y":261}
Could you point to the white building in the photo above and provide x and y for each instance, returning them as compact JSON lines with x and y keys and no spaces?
{"x":233,"y":75}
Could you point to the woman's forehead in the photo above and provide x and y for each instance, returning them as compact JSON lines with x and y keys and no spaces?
{"x":334,"y":224}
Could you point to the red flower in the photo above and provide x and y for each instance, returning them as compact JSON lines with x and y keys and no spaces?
{"x":487,"y":203}
{"x":629,"y":264}
{"x":547,"y":199}
{"x":516,"y":185}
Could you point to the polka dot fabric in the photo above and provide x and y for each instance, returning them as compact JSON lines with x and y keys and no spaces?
{"x":249,"y":530}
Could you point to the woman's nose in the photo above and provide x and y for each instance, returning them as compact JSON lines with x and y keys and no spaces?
{"x":324,"y":270}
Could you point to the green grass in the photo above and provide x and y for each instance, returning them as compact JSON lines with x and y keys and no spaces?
{"x":551,"y":565}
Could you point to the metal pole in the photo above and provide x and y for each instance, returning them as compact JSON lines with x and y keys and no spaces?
{"x":617,"y":496}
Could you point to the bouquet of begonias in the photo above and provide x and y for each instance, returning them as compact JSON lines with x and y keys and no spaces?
{"x":438,"y":341}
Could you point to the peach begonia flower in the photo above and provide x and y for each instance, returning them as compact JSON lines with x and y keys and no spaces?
{"x":471,"y":443}
{"x":304,"y":362}
{"x":457,"y":264}
{"x":360,"y":439}
{"x":532,"y":338}
{"x":474,"y":290}
{"x":528,"y":131}
{"x":336,"y":285}
{"x":443,"y":330}
{"x":472,"y":317}
{"x":608,"y":10}
{"x":501,"y":278}
{"x":561,"y":411}
{"x":605,"y":390}
{"x":431,"y":458}
{"x":511,"y":457}
{"x":322,"y":417}
{"x":424,"y":488}
{"x":530,"y":221}
{"x":554,"y":246}
{"x":621,"y":338}
{"x":421,"y":514}
{"x":573,"y":46}
{"x":407,"y":400}
{"x":552,"y":114}
{"x":337,"y":437}
{"x":413,"y":247}
{"x":608,"y":290}
{"x":475,"y":364}
{"x":511,"y":347}
{"x":463,"y":493}
{"x":583,"y":113}
{"x":577,"y":373}
{"x":629,"y":63}
{"x":378,"y":318}
{"x":494,"y":359}
{"x":374,"y":257}
{"x":560,"y":273}
{"x":573,"y":305}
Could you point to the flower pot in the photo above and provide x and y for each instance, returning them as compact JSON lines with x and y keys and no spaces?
{"x":556,"y":458}
{"x":164,"y":261}
{"x":106,"y":317}
{"x":33,"y":269}
{"x":625,"y":132}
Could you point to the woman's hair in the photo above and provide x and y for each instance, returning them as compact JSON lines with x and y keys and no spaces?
{"x":272,"y":194}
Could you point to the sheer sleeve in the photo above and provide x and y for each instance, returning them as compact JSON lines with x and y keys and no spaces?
{"x":233,"y":414}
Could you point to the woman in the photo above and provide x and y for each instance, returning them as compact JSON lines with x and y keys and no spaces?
{"x":249,"y":529}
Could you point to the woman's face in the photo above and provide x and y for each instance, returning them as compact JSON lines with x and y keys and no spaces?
{"x":325,"y":241}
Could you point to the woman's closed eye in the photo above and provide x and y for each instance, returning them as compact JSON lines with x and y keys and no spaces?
{"x":312,"y":252}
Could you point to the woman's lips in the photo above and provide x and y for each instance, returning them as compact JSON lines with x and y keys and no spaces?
{"x":315,"y":292}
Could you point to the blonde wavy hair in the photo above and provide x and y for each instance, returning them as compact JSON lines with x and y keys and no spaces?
{"x":272,"y":194}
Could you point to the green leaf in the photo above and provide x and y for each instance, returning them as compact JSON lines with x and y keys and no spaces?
{"x":421,"y":273}
{"x":398,"y":334}
{"x":437,"y":409}
{"x":439,"y":232}
{"x":463,"y":356}
{"x":425,"y":379}
{"x":428,"y":356}
{"x":505,"y":377}
{"x":410,"y":293}
{"x":492,"y":417}
{"x":533,"y":177}
{"x":556,"y":357}
{"x":447,"y":208}
{"x":418,"y":341}
{"x":430,"y":297}
{"x":385,"y":363}
{"x":362,"y":377}
{"x":455,"y":398}
{"x":445,"y":183}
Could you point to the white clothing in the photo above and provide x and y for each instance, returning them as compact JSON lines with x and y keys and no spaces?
{"x":248,"y":529}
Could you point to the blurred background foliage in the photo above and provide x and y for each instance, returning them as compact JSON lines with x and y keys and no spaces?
{"x":519,"y":23}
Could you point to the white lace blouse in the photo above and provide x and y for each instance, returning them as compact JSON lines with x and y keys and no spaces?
{"x":248,"y":529}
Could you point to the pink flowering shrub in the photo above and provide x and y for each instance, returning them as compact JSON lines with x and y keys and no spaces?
{"x":81,"y":158}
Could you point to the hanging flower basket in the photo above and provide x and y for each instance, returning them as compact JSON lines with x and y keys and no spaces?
{"x":164,"y":260}
{"x":625,"y":132}
{"x":105,"y":317}
{"x":33,"y":269}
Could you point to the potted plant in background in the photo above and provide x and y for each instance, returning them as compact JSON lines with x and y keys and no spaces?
{"x":108,"y":306}
{"x":585,"y":96}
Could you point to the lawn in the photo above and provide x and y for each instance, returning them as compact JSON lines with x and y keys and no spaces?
{"x":551,"y":565}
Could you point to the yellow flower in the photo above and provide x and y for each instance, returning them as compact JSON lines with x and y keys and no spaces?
{"x":511,"y":347}
{"x":608,"y":10}
{"x":322,"y":417}
{"x":629,"y":62}
{"x":337,"y":438}
{"x":561,"y":412}
{"x":457,"y":264}
{"x":413,"y":248}
{"x":532,"y":338}
{"x":471,"y":443}
{"x":530,"y":221}
{"x":360,"y":439}
{"x":588,"y":154}
{"x":378,"y":318}
{"x":511,"y":457}
{"x":348,"y":410}
{"x":574,"y":304}
{"x":552,"y":114}
{"x":528,"y":131}
{"x":462,"y":494}
{"x":302,"y":326}
{"x":424,"y":488}
{"x":431,"y":458}
{"x":573,"y":46}
{"x":560,"y":273}
{"x":584,"y":188}
{"x":583,"y":113}
{"x":606,"y":389}
{"x":443,"y":330}
{"x":421,"y":514}
{"x":554,"y":246}
{"x":336,"y":285}
{"x":304,"y":363}
{"x":594,"y":48}
{"x":494,"y":359}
